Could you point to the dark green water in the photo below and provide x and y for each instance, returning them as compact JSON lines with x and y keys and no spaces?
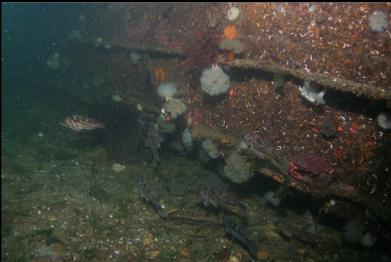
{"x":62,"y":200}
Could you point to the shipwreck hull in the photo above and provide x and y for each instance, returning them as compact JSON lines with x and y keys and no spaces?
{"x":329,"y":44}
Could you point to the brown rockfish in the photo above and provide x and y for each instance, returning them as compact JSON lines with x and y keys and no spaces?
{"x":79,"y":123}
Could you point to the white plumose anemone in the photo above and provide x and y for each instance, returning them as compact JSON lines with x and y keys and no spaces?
{"x":175,"y":107}
{"x":167,"y":90}
{"x":214,"y":81}
{"x":378,"y":21}
{"x":233,"y":13}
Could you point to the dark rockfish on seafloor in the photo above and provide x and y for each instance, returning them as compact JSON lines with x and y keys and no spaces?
{"x":217,"y":197}
{"x":239,"y":233}
{"x":149,"y":192}
{"x":79,"y":123}
{"x":153,"y":142}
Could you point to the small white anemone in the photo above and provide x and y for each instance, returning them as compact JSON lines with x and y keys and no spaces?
{"x":272,"y":198}
{"x":167,"y":90}
{"x":384,"y":121}
{"x":187,"y":138}
{"x":210,"y":148}
{"x":233,"y":13}
{"x":116,"y":98}
{"x":378,"y":21}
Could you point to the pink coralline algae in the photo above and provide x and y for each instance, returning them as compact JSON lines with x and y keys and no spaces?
{"x":312,"y":164}
{"x":313,"y":170}
{"x":164,"y":37}
{"x":137,"y":31}
{"x":165,"y":40}
{"x":202,"y":53}
{"x":194,"y":116}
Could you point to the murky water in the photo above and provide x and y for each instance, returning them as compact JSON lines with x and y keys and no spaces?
{"x":111,"y":150}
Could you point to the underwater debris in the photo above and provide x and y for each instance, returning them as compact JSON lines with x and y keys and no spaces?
{"x":233,"y":13}
{"x":310,"y":94}
{"x":214,"y":81}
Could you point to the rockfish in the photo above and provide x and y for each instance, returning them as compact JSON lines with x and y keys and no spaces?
{"x":79,"y":123}
{"x":239,"y":233}
{"x":153,"y":142}
{"x":217,"y":197}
